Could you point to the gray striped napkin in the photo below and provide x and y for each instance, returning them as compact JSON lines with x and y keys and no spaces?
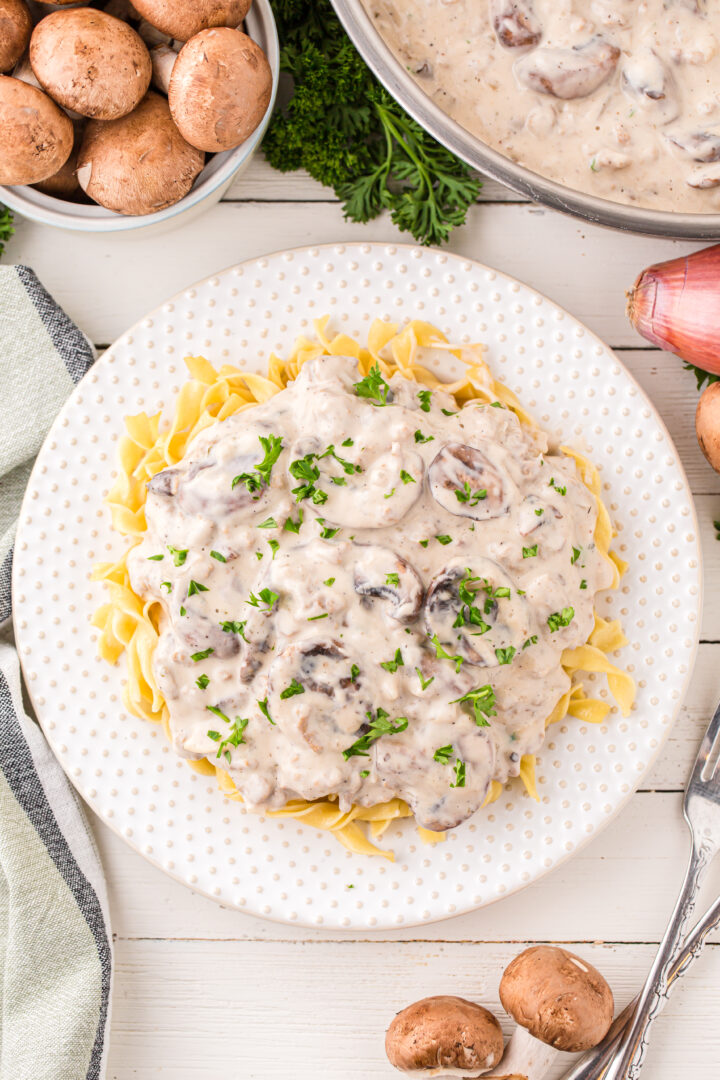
{"x":55,"y":946}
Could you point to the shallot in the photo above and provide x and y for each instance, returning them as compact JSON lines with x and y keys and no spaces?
{"x":676,"y":305}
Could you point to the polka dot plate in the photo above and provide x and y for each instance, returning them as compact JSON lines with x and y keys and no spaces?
{"x":574,"y":386}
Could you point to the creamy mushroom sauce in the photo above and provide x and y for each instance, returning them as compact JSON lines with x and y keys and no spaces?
{"x":618,"y":98}
{"x":424,"y":533}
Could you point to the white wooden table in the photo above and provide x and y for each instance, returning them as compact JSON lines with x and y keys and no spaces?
{"x":203,"y":993}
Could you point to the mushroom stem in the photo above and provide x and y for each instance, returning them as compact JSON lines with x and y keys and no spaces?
{"x":525,"y":1056}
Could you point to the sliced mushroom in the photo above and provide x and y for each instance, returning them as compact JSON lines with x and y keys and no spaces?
{"x":193,"y":495}
{"x":198,"y":632}
{"x":703,"y":146}
{"x":650,"y":86}
{"x":477,"y":612}
{"x":463,"y":481}
{"x":705,"y":176}
{"x":15,"y":30}
{"x":568,"y":73}
{"x":90,"y":62}
{"x":515,"y":23}
{"x":374,"y":565}
{"x":408,"y":769}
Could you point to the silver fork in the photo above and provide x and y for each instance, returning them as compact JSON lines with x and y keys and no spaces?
{"x":622,"y":1053}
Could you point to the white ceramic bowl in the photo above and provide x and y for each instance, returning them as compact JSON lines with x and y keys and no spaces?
{"x":209,"y":187}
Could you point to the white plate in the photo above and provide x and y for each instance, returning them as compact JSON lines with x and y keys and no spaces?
{"x":176,"y":818}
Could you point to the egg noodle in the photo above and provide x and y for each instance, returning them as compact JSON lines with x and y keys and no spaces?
{"x":130,"y":625}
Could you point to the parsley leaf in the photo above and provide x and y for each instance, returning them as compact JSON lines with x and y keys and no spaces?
{"x":420,"y":438}
{"x":294,"y":526}
{"x":483,"y":702}
{"x":197,"y":656}
{"x":263,"y":707}
{"x":179,"y":555}
{"x":218,"y":556}
{"x":442,"y":654}
{"x":459,"y":774}
{"x":560,"y":488}
{"x":444,"y":540}
{"x":267,"y":596}
{"x":294,"y":688}
{"x":575,"y":555}
{"x":467,"y":495}
{"x":202,"y":682}
{"x":231,"y":627}
{"x":155,"y":558}
{"x":329,"y":581}
{"x":354,"y":672}
{"x":443,"y":754}
{"x":379,"y":725}
{"x":530,"y":552}
{"x":196,"y":587}
{"x":394,"y":664}
{"x":392,"y":579}
{"x":425,"y":397}
{"x":424,"y":683}
{"x":268,"y":523}
{"x":560,"y":618}
{"x":505,"y":656}
{"x":406,"y":477}
{"x":373,"y":387}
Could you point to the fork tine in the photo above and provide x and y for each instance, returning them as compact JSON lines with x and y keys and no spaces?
{"x":706,"y":748}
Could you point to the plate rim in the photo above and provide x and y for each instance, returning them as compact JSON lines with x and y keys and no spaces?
{"x":382,"y":927}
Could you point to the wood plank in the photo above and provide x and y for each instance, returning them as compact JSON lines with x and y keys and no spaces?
{"x":106,"y":283}
{"x":269,"y":1010}
{"x":260,"y":181}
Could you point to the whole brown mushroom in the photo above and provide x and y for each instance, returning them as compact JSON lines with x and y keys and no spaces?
{"x":15,"y":29}
{"x":64,"y":183}
{"x":36,"y":137}
{"x":559,"y":1001}
{"x":182,"y":19}
{"x":220,"y":89}
{"x":140,"y":163}
{"x":90,"y":62}
{"x":444,"y":1036}
{"x":707,"y":424}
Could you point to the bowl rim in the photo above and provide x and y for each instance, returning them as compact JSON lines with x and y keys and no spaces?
{"x":93,"y":218}
{"x":400,"y":85}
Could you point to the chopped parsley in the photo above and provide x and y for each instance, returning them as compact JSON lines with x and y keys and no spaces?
{"x":329,"y":581}
{"x":263,"y":707}
{"x":379,"y":725}
{"x":442,"y":654}
{"x":505,"y":656}
{"x":459,"y":774}
{"x":217,"y":555}
{"x":294,"y":526}
{"x":560,"y":488}
{"x":179,"y":555}
{"x":326,"y":531}
{"x":420,"y":438}
{"x":347,"y":466}
{"x":469,"y":613}
{"x":267,"y":596}
{"x":425,"y":397}
{"x":443,"y":754}
{"x":202,"y":682}
{"x":349,"y":442}
{"x":354,"y":672}
{"x":389,"y":494}
{"x":274,"y":547}
{"x":448,"y":412}
{"x":583,"y":584}
{"x":424,"y":683}
{"x":182,"y":610}
{"x":467,"y":495}
{"x":575,"y":555}
{"x":231,"y":627}
{"x":272,"y":445}
{"x":444,"y":540}
{"x":530,"y":641}
{"x":483,"y":702}
{"x":218,"y":712}
{"x":197,"y":656}
{"x":561,"y":618}
{"x":530,"y":552}
{"x":294,"y":688}
{"x":364,"y":773}
{"x":268,"y":523}
{"x":540,"y":511}
{"x":196,"y":587}
{"x":392,"y":579}
{"x":394,"y":664}
{"x":406,"y":477}
{"x":167,"y":585}
{"x":304,"y":470}
{"x":314,"y":618}
{"x":235,"y":738}
{"x":155,"y":558}
{"x":373,"y":387}
{"x":423,"y":543}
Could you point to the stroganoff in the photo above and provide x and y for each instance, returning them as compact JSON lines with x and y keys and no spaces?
{"x":618,"y":98}
{"x":367,"y":592}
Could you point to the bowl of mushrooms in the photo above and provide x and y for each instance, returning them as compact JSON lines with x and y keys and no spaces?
{"x":120,"y":116}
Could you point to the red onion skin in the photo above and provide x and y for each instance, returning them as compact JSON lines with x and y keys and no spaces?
{"x":676,"y":305}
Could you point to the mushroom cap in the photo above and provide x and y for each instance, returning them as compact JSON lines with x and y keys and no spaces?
{"x":444,"y":1034}
{"x":90,"y":62}
{"x":561,"y":1000}
{"x":182,"y":19}
{"x":707,"y":424}
{"x":36,"y":137}
{"x":140,"y":163}
{"x":15,"y":30}
{"x":64,"y":183}
{"x":220,"y":89}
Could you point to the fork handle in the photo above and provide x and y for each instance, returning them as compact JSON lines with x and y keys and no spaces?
{"x":630,"y":1057}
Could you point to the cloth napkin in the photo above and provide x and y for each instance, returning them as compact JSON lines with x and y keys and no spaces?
{"x":55,"y":944}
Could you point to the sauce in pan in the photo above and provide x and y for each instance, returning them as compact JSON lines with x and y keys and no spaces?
{"x":366,"y":592}
{"x":618,"y":98}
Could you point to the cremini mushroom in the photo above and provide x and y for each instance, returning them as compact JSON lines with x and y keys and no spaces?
{"x":64,"y":183}
{"x":15,"y":29}
{"x":90,"y":62}
{"x":182,"y":19}
{"x":444,"y":1036}
{"x":707,"y":424}
{"x":220,"y":89}
{"x":139,"y":163}
{"x":559,"y":1001}
{"x":163,"y":61}
{"x":36,"y":137}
